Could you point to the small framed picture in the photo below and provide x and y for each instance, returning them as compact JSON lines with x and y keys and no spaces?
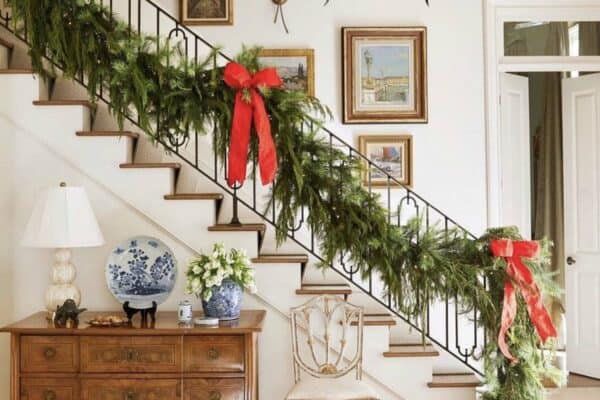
{"x":296,"y":67}
{"x":392,"y":154}
{"x":206,"y":12}
{"x":385,"y":75}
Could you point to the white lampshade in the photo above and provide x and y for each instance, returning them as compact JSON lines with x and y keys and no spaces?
{"x":63,"y":218}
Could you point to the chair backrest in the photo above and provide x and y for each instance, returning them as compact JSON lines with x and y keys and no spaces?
{"x":333,"y":330}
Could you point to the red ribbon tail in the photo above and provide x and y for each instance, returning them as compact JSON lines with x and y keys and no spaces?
{"x":239,"y":141}
{"x":267,"y":153}
{"x":509,"y":312}
{"x":531,"y":293}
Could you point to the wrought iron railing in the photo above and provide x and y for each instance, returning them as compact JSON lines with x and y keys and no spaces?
{"x":459,"y":336}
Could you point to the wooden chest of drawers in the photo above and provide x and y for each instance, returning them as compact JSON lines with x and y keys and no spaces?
{"x":162,"y":361}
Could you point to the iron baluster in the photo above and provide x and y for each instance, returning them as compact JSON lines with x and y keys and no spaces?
{"x":348,"y":270}
{"x":447,"y":324}
{"x":235,"y":220}
{"x":254,"y":181}
{"x":389,"y":200}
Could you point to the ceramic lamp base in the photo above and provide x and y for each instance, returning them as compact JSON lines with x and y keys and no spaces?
{"x":62,"y":287}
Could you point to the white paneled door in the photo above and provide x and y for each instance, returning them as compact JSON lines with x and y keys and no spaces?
{"x":515,"y":174}
{"x":581,"y":142}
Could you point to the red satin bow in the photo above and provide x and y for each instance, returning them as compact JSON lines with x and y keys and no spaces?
{"x":519,"y":274}
{"x":249,"y":105}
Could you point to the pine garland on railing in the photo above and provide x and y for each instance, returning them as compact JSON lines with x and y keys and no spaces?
{"x":149,"y":78}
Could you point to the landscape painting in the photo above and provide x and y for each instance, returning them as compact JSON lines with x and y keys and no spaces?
{"x":390,"y":155}
{"x":207,"y":12}
{"x":385,"y":75}
{"x":294,"y":66}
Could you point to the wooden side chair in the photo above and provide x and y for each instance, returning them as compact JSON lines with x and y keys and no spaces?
{"x":332,"y":348}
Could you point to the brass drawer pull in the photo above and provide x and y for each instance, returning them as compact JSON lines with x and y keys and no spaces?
{"x":131,"y":354}
{"x":213,"y":354}
{"x":214,"y":395}
{"x":129,"y":396}
{"x":49,"y":353}
{"x":49,"y":395}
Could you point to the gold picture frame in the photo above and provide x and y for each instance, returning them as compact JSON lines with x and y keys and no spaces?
{"x":218,"y":12}
{"x":384,"y":75}
{"x":289,"y":63}
{"x":392,"y":153}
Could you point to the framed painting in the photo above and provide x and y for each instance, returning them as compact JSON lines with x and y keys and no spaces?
{"x":391,"y":153}
{"x":385,"y":75}
{"x":296,"y":67}
{"x":206,"y":12}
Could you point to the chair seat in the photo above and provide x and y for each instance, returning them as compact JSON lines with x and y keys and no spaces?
{"x":332,"y":389}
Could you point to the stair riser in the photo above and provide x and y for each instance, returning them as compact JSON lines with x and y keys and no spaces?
{"x":4,"y":57}
{"x":376,"y":339}
{"x":19,"y":91}
{"x":277,"y":284}
{"x":109,"y":151}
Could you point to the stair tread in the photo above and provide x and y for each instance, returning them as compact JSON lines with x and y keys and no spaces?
{"x":575,"y":381}
{"x":171,"y":165}
{"x":316,"y":289}
{"x":411,"y":350}
{"x":281,"y":259}
{"x":238,"y":228}
{"x":194,"y":196}
{"x":132,"y":135}
{"x":15,"y":71}
{"x":458,"y":380}
{"x":6,"y":44}
{"x":378,"y":320}
{"x":83,"y":103}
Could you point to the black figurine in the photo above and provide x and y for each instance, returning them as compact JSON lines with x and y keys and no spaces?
{"x":132,"y":311}
{"x":66,"y":313}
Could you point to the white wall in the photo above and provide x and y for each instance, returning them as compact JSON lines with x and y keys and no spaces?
{"x":449,"y":162}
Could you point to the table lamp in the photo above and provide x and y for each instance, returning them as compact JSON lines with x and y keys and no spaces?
{"x":62,"y":219}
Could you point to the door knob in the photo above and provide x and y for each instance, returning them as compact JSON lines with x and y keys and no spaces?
{"x":571,"y":260}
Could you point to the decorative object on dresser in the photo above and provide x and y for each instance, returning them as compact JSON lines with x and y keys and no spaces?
{"x":328,"y":354}
{"x":67,"y":315}
{"x":391,"y":153}
{"x":135,"y":362}
{"x":385,"y":75}
{"x":184,"y":312}
{"x":63,"y":219}
{"x":141,"y":273}
{"x":207,"y":12}
{"x":296,"y":67}
{"x":218,"y":280}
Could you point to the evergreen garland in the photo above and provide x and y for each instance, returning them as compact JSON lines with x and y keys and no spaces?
{"x":148,"y":77}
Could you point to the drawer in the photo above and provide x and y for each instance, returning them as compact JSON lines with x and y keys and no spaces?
{"x":130,"y":354}
{"x":130,"y":389}
{"x":49,"y":389}
{"x":213,"y":354}
{"x":213,"y":389}
{"x":49,"y":354}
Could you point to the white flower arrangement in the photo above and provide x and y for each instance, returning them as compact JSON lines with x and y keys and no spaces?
{"x":208,"y":271}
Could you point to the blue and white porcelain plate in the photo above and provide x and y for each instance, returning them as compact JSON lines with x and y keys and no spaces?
{"x":141,"y":270}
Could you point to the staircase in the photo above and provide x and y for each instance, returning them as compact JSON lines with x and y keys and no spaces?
{"x":184,"y":195}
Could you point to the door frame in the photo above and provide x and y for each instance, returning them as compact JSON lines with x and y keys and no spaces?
{"x":496,"y":12}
